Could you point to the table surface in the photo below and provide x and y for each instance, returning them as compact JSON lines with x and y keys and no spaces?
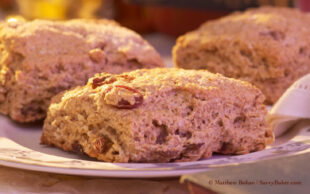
{"x":23,"y":181}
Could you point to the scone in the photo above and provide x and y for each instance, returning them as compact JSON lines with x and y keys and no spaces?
{"x":42,"y":58}
{"x":267,"y":46}
{"x":158,"y":115}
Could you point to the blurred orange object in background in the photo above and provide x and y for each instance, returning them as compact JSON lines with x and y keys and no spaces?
{"x":133,"y":16}
{"x":172,"y":17}
{"x":177,"y":21}
{"x":173,"y":21}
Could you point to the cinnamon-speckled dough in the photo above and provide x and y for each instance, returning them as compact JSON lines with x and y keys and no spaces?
{"x":158,"y":115}
{"x":42,"y":58}
{"x":267,"y":46}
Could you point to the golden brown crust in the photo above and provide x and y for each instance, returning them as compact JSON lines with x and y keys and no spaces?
{"x":158,"y":115}
{"x":267,"y":46}
{"x":41,"y":58}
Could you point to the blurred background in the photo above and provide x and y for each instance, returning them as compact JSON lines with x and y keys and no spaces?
{"x":159,"y":21}
{"x":171,"y":17}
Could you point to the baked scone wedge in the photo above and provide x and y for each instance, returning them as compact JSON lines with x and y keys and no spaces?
{"x":158,"y":115}
{"x":42,"y":58}
{"x":267,"y":46}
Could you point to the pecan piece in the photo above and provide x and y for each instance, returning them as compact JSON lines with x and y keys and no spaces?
{"x":127,"y":77}
{"x":193,"y":147}
{"x":77,"y":148}
{"x":97,"y":55}
{"x":123,"y":97}
{"x":103,"y":144}
{"x":124,"y":104}
{"x":102,"y":80}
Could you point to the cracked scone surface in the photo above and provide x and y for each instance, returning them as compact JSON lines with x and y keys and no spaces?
{"x":267,"y":46}
{"x":158,"y":115}
{"x":42,"y":58}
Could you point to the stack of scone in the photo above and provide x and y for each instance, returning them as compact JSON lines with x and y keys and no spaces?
{"x":159,"y":114}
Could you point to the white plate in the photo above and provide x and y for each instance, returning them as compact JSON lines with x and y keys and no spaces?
{"x":20,"y":148}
